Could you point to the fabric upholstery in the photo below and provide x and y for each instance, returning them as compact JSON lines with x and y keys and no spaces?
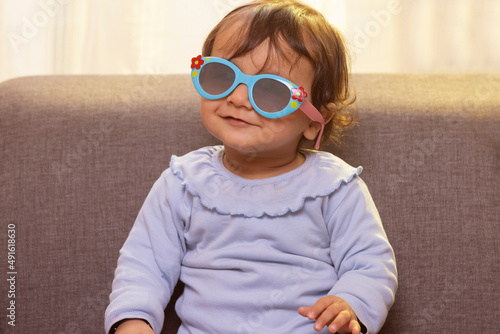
{"x":78,"y":155}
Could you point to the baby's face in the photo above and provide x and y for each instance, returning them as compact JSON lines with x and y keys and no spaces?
{"x":234,"y":121}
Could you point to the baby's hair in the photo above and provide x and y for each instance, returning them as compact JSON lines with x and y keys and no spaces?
{"x":291,"y":25}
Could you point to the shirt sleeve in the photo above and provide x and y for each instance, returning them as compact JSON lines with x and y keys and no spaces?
{"x":149,"y":263}
{"x":362,"y":255}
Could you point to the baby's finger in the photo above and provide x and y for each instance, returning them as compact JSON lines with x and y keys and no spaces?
{"x":354,"y":327}
{"x":303,"y":311}
{"x":327,"y":317}
{"x":318,"y":308}
{"x":342,"y":319}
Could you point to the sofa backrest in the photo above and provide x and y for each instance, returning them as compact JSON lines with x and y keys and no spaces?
{"x":78,"y":155}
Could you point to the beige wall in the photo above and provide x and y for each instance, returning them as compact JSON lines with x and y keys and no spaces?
{"x":160,"y":36}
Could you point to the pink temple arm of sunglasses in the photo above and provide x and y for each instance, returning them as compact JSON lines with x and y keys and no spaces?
{"x":313,"y":113}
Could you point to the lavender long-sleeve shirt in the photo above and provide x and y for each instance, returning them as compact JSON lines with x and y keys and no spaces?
{"x":251,"y":252}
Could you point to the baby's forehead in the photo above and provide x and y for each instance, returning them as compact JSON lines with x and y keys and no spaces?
{"x":230,"y":44}
{"x":235,"y":39}
{"x":267,"y":60}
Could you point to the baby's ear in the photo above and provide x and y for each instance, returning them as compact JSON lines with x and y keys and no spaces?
{"x":314,"y":127}
{"x":329,"y":111}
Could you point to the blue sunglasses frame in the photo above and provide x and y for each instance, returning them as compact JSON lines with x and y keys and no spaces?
{"x":297,"y":94}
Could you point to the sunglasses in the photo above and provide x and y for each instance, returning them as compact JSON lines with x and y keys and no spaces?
{"x":270,"y":95}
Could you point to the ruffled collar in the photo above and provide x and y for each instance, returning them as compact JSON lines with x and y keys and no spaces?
{"x":203,"y":174}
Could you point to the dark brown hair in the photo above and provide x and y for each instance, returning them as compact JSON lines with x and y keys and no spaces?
{"x":306,"y":32}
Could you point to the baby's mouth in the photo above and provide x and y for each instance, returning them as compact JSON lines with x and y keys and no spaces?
{"x":236,"y":121}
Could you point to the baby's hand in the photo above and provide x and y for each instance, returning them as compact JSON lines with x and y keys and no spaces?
{"x":333,"y":312}
{"x":134,"y":326}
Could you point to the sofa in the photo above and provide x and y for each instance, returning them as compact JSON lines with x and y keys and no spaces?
{"x":79,"y":154}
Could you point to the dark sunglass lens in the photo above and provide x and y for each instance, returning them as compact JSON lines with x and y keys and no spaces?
{"x":216,"y":78}
{"x":271,"y":95}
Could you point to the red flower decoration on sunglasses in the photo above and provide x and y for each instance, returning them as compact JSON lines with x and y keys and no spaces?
{"x":196,"y":62}
{"x":299,"y":94}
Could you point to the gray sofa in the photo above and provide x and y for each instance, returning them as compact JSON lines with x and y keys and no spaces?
{"x":78,"y":155}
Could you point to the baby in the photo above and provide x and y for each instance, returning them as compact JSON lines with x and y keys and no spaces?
{"x":267,"y":236}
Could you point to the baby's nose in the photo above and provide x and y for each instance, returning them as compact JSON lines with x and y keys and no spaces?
{"x":239,"y":97}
